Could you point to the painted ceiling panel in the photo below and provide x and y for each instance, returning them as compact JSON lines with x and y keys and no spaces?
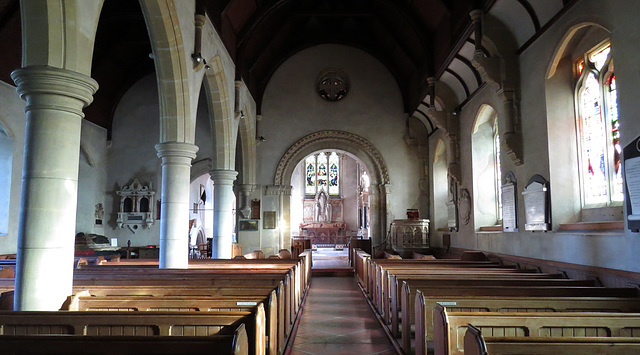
{"x":465,"y":73}
{"x":467,"y":50}
{"x":455,"y":86}
{"x":516,"y":18}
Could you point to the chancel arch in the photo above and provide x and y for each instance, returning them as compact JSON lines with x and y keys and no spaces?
{"x":354,"y":145}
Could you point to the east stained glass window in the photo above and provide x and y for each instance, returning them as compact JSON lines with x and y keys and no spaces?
{"x":310,"y":175}
{"x":599,"y":129}
{"x":334,"y":163}
{"x":322,"y":172}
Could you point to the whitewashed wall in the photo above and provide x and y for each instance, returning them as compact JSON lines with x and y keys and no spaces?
{"x":617,"y":250}
{"x":373,"y":109}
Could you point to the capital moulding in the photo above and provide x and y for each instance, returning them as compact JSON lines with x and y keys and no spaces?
{"x":176,"y":149}
{"x":50,"y":80}
{"x":223,"y":176}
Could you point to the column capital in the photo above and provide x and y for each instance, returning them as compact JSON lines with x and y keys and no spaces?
{"x":221,"y":176}
{"x":246,"y":188}
{"x":176,"y":150}
{"x":33,"y":83}
{"x":476,"y":15}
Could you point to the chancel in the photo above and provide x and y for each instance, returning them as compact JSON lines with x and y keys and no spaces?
{"x":466,"y":160}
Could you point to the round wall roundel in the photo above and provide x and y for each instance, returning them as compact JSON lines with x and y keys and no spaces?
{"x":332,"y":85}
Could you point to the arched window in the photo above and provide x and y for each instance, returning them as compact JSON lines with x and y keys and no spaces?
{"x":598,"y":129}
{"x":440,"y":186}
{"x":486,"y":169}
{"x":322,"y":172}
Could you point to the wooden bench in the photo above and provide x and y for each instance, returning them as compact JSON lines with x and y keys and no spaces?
{"x":476,"y":344}
{"x":84,"y":301}
{"x":379,"y":280}
{"x":425,"y":298}
{"x":394,"y":301}
{"x":235,"y":344}
{"x":512,"y":304}
{"x":531,"y":324}
{"x":148,"y":324}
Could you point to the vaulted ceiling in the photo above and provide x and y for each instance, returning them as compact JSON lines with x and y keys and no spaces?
{"x":414,"y":39}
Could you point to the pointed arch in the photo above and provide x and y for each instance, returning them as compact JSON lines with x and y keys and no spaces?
{"x":60,"y":34}
{"x":171,"y":63}
{"x":247,"y":137}
{"x":563,"y":44}
{"x":220,"y":115}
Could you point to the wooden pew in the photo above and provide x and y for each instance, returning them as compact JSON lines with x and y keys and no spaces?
{"x":512,"y":304}
{"x":235,"y":344}
{"x":382,"y":287}
{"x":149,"y":324}
{"x":396,"y":281}
{"x":476,"y":344}
{"x":425,"y":298}
{"x":159,"y":288}
{"x":535,"y":324}
{"x":394,"y":301}
{"x":84,"y":301}
{"x":379,"y":278}
{"x":375,"y":267}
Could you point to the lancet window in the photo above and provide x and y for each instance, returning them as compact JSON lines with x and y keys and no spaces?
{"x":598,"y":128}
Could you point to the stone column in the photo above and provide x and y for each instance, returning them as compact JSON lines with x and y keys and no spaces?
{"x":174,"y":209}
{"x":222,"y":212}
{"x":55,"y":98}
{"x":285,"y":219}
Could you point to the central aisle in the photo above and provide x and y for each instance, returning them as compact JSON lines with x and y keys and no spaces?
{"x":336,"y":319}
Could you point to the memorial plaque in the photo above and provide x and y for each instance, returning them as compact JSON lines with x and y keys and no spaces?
{"x":509,"y":204}
{"x":536,"y":205}
{"x":631,"y":170}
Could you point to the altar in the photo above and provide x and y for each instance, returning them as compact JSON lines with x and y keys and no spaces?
{"x":324,"y":234}
{"x":323,"y":222}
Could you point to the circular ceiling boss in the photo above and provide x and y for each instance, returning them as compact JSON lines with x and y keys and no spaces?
{"x":332,"y":84}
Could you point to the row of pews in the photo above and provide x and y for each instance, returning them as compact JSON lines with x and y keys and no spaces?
{"x":475,"y":306}
{"x":240,"y":306}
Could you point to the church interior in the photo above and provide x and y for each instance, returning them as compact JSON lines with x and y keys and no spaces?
{"x":426,"y":164}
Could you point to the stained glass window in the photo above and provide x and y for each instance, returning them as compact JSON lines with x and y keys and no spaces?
{"x":599,"y":129}
{"x":498,"y":168}
{"x":612,"y":110}
{"x":334,"y":162}
{"x":310,"y":175}
{"x":322,"y":172}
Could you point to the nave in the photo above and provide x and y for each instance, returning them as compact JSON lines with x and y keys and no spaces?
{"x":336,"y":319}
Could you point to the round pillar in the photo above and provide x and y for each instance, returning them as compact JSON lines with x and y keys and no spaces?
{"x":222,"y":212}
{"x":46,"y":233}
{"x":174,"y":207}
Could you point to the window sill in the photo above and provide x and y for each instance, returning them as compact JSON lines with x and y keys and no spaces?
{"x":496,"y":228}
{"x":442,"y":229}
{"x":593,"y":226}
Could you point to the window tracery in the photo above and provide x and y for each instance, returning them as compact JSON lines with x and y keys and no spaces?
{"x":598,"y":129}
{"x":322,"y":172}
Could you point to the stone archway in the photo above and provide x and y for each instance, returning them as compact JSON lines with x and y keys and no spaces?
{"x":359,"y":147}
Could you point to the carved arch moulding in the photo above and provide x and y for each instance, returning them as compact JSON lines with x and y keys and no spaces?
{"x":342,"y":140}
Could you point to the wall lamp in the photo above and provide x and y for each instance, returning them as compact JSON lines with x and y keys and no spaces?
{"x":199,"y":61}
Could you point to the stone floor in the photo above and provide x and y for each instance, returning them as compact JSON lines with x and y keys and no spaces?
{"x":336,"y":319}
